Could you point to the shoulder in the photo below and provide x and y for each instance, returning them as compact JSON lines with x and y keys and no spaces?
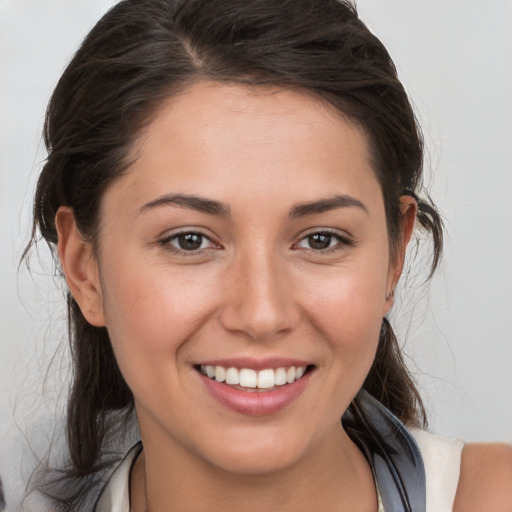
{"x":485,"y":481}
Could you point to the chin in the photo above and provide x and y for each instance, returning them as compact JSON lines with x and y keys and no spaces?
{"x":256,"y":463}
{"x":263,"y":453}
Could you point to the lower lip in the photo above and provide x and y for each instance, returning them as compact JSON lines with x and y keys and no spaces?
{"x":256,"y":403}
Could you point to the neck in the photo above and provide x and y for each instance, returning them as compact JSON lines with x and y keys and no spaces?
{"x":333,"y":477}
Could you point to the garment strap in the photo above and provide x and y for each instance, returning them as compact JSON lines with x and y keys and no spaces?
{"x":391,"y":451}
{"x":441,"y":457}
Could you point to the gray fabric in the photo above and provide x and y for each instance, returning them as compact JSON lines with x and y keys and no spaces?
{"x":392,"y":452}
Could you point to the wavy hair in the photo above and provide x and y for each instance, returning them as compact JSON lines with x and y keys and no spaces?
{"x":144,"y":51}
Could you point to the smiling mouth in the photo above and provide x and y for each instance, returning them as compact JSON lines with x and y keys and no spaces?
{"x":247,"y":379}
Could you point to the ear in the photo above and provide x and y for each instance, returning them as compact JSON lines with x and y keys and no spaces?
{"x":80,"y":267}
{"x":408,"y":210}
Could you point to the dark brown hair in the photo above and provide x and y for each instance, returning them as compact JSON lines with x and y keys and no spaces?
{"x":143,"y":51}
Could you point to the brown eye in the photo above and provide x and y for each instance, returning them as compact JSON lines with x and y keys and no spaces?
{"x":188,"y":242}
{"x":319,"y":241}
{"x":324,"y":241}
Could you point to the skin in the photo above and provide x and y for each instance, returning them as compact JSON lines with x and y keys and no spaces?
{"x":256,"y":288}
{"x":485,"y":482}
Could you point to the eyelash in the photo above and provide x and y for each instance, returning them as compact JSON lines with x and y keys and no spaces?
{"x":342,"y":242}
{"x":166,"y":242}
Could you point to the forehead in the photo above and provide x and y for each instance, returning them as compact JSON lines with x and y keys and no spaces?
{"x":225,"y":141}
{"x":264,"y":113}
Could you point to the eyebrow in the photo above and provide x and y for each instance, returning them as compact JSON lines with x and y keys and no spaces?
{"x":325,"y":205}
{"x":213,"y":207}
{"x":192,"y":202}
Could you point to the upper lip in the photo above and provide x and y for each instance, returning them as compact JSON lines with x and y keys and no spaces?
{"x":256,"y":364}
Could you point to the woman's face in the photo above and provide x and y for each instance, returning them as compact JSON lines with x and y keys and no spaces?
{"x":248,"y":238}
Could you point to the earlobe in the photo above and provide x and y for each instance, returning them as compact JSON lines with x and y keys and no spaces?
{"x":80,"y":267}
{"x":408,"y":209}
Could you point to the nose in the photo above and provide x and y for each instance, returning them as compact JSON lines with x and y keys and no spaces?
{"x":260,"y":300}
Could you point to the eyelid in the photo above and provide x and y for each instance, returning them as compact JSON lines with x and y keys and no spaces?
{"x":344,"y":239}
{"x":165,"y":239}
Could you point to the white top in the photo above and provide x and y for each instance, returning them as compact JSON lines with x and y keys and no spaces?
{"x":441,"y":457}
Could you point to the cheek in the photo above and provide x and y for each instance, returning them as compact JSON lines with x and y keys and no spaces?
{"x":347,"y":311}
{"x":350,"y":304}
{"x":152,"y":311}
{"x":152,"y":314}
{"x":345,"y":316}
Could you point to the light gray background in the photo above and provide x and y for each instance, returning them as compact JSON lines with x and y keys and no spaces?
{"x":455,"y":59}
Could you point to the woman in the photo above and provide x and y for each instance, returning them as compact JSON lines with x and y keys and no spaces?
{"x":231,"y":187}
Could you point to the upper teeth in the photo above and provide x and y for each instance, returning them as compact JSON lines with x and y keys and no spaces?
{"x":248,"y":378}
